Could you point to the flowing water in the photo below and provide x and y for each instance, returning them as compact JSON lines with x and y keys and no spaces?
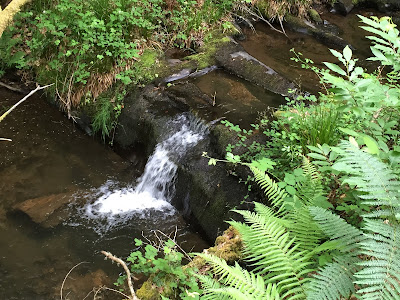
{"x":111,"y":201}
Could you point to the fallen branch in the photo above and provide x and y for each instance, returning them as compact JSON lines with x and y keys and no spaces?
{"x":66,"y":276}
{"x":128,"y":273}
{"x":11,"y":88}
{"x":22,"y":100}
{"x":18,"y":103}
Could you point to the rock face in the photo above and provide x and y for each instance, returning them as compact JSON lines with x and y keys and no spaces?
{"x":327,"y":35}
{"x":233,"y":58}
{"x":385,"y":6}
{"x":344,"y":6}
{"x":48,"y":211}
{"x":205,"y":194}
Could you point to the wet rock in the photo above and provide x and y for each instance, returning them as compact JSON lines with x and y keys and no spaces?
{"x":315,"y":17}
{"x":144,"y":117}
{"x":344,"y":6}
{"x":237,"y":61}
{"x":327,"y":35}
{"x":385,"y":6}
{"x":206,"y":194}
{"x":48,"y":211}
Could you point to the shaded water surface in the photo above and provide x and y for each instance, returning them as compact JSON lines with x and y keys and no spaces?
{"x":273,"y":48}
{"x":48,"y":156}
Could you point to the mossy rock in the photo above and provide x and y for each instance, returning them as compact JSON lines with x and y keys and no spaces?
{"x":206,"y":54}
{"x":148,"y":291}
{"x":314,"y":16}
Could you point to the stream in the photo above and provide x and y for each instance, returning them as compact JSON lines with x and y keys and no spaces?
{"x":113,"y":200}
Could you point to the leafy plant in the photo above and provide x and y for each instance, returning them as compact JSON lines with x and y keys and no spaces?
{"x":166,"y":271}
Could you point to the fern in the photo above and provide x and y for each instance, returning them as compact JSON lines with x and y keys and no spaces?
{"x":303,"y":228}
{"x":295,"y":217}
{"x":308,"y":191}
{"x":240,"y":284}
{"x":334,"y":281}
{"x":379,"y":184}
{"x":345,"y":235}
{"x":273,"y":254}
{"x":272,"y":191}
{"x":380,"y":276}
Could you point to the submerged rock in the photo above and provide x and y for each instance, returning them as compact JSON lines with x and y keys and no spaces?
{"x":48,"y":211}
{"x":237,"y":61}
{"x":327,"y":35}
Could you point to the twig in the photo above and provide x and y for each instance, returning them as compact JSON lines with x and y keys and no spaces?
{"x":128,"y":273}
{"x":22,"y":100}
{"x":66,"y":276}
{"x":176,"y":244}
{"x":9,"y":87}
{"x":107,"y":288}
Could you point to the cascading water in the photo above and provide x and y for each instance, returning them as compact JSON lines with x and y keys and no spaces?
{"x":155,"y":188}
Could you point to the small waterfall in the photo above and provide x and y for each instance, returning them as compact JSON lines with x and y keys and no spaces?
{"x":155,"y":188}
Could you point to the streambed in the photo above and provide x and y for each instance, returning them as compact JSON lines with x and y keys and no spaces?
{"x":49,"y":156}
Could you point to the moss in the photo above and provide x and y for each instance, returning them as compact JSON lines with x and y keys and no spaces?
{"x":228,"y":246}
{"x":148,"y":291}
{"x":206,"y":55}
{"x":314,"y":15}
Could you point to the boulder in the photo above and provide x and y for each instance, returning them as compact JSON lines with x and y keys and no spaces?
{"x":344,"y":6}
{"x":142,"y":121}
{"x":48,"y":211}
{"x":326,"y":34}
{"x":205,"y":194}
{"x":385,"y":6}
{"x":233,"y":58}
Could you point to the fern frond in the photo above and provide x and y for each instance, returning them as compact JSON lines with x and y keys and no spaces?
{"x":273,"y":192}
{"x":379,"y":184}
{"x":239,"y":283}
{"x":211,"y":288}
{"x":309,"y":190}
{"x":380,"y":276}
{"x":304,"y":229}
{"x":337,"y":229}
{"x":269,"y":248}
{"x":334,"y":281}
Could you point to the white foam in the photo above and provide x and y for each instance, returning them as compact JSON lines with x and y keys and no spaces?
{"x":126,"y":200}
{"x":155,"y":188}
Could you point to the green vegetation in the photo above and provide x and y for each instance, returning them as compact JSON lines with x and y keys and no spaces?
{"x":85,"y":47}
{"x":168,"y":276}
{"x":330,"y":229}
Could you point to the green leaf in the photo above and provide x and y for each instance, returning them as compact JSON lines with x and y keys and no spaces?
{"x":335,"y":68}
{"x":212,"y":162}
{"x":347,"y":53}
{"x":349,"y":131}
{"x":263,"y":164}
{"x":232,"y":158}
{"x":371,"y":145}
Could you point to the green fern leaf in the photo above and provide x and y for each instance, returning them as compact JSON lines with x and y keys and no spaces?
{"x":273,"y":192}
{"x":378,"y":184}
{"x":239,"y":283}
{"x":269,"y":248}
{"x":337,"y":229}
{"x":380,"y":276}
{"x":334,"y":281}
